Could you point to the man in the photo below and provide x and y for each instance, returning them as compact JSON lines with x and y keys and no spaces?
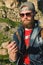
{"x":26,"y":49}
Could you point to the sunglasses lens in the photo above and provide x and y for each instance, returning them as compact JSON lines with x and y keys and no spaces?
{"x":27,"y":14}
{"x":22,"y":15}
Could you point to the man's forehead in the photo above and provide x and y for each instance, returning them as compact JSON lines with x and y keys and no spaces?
{"x":25,"y":9}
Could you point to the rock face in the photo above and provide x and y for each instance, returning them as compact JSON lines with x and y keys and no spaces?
{"x":10,"y":3}
{"x":3,"y":52}
{"x":41,"y":22}
{"x":3,"y":42}
{"x":2,"y":26}
{"x":9,"y":8}
{"x":12,"y":12}
{"x":3,"y":48}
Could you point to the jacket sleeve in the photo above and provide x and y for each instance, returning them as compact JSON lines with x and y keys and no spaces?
{"x":18,"y":42}
{"x":15,"y":38}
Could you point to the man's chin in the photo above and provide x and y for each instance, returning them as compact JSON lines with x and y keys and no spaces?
{"x":27,"y":25}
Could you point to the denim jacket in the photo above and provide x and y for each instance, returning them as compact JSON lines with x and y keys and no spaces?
{"x":35,"y":50}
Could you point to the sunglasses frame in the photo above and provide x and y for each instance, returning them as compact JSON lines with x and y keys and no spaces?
{"x":27,"y":14}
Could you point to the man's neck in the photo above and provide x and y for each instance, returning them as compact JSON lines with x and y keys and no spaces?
{"x":29,"y":26}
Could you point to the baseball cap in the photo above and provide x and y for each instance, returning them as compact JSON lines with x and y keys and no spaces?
{"x":28,"y":4}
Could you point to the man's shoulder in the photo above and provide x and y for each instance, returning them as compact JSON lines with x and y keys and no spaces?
{"x":20,"y":27}
{"x":18,"y":32}
{"x":36,"y":23}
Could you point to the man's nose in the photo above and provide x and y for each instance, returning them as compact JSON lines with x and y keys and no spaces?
{"x":25,"y":16}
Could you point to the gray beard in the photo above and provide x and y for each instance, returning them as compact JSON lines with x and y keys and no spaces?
{"x":30,"y":25}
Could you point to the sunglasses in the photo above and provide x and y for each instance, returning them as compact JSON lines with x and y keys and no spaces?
{"x":27,"y":14}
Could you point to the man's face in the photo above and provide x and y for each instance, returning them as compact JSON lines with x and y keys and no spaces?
{"x":26,"y":17}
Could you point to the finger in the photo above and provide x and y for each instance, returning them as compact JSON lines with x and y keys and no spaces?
{"x":13,"y":47}
{"x":15,"y":50}
{"x":12,"y":50}
{"x":11,"y":44}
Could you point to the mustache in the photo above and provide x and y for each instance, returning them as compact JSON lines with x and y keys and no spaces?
{"x":26,"y":19}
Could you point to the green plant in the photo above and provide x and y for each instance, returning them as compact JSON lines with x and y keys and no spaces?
{"x":10,"y":22}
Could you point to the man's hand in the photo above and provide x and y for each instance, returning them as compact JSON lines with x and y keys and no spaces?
{"x":12,"y":50}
